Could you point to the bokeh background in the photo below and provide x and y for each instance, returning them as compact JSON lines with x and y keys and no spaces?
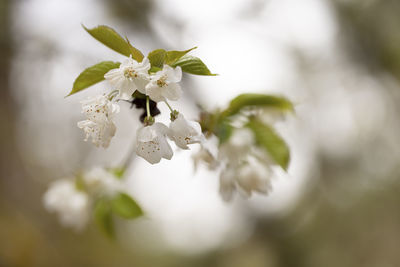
{"x":337,"y":60}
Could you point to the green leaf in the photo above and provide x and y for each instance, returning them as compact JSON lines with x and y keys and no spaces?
{"x":157,"y":58}
{"x":192,"y":65}
{"x":118,"y":172}
{"x":269,"y":140}
{"x":80,"y":183}
{"x":110,"y":38}
{"x":257,"y":100}
{"x":223,"y":131}
{"x":92,"y":75}
{"x":136,"y":54}
{"x":173,"y":56}
{"x":154,"y":69}
{"x":103,"y":217}
{"x":125,"y":206}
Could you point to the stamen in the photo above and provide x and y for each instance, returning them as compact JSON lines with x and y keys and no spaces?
{"x":162,"y":81}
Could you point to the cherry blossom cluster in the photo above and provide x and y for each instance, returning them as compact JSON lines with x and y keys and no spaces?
{"x":161,"y":86}
{"x":239,"y":141}
{"x":243,"y":166}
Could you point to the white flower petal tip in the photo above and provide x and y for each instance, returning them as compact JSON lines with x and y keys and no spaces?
{"x":248,"y":168}
{"x":164,"y":85}
{"x":245,"y":180}
{"x":152,"y":144}
{"x":101,"y":182}
{"x":71,"y":205}
{"x":129,"y":77}
{"x":205,"y":156}
{"x":184,"y":132}
{"x":99,"y":125}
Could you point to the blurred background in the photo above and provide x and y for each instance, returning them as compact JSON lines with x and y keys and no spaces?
{"x":337,"y":60}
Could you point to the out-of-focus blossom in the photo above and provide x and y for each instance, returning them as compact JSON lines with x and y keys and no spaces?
{"x":247,"y":167}
{"x":100,"y":182}
{"x":245,"y":179}
{"x":71,"y":205}
{"x":237,"y":147}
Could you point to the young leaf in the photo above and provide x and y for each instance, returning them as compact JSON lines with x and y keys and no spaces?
{"x":257,"y":100}
{"x":103,"y":217}
{"x":92,"y":75}
{"x":157,"y":58}
{"x":110,"y":38}
{"x":173,"y":56}
{"x":136,"y":54}
{"x":269,"y":140}
{"x":154,"y":69}
{"x":192,"y":65}
{"x":125,"y":206}
{"x":80,"y":183}
{"x":223,"y":131}
{"x":118,"y":172}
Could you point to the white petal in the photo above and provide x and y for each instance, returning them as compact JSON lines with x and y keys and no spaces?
{"x":254,"y":177}
{"x":172,"y":91}
{"x":127,"y":88}
{"x":158,"y":75}
{"x":101,"y":182}
{"x":152,"y":144}
{"x":140,"y":83}
{"x":144,"y":66}
{"x":165,"y":149}
{"x":173,"y":75}
{"x":112,"y":74}
{"x":72,"y":206}
{"x":161,"y":128}
{"x":145,"y":150}
{"x":146,"y":134}
{"x":185,"y":132}
{"x":127,"y":63}
{"x":154,"y":92}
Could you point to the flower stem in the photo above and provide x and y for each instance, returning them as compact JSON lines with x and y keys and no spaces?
{"x":169,"y":106}
{"x":148,"y":107}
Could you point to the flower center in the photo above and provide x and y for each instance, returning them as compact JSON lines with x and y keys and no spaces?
{"x":162,"y":81}
{"x":130,"y":73}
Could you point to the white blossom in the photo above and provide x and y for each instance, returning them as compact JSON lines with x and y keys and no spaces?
{"x":164,"y":84}
{"x":130,"y":76}
{"x":152,"y":144}
{"x":99,"y":108}
{"x":99,"y":125}
{"x":184,"y":132}
{"x":252,"y":178}
{"x":237,"y":147}
{"x":204,"y":155}
{"x":245,"y":179}
{"x":71,"y":205}
{"x":247,"y":167}
{"x":100,"y":182}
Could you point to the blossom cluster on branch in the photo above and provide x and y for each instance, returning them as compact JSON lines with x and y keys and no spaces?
{"x":247,"y":144}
